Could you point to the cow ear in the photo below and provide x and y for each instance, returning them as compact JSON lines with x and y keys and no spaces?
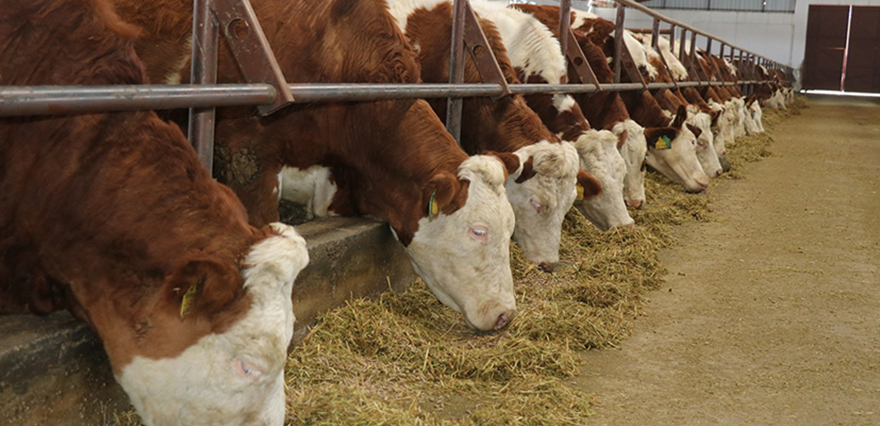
{"x":201,"y":286}
{"x":621,"y":139}
{"x":589,"y":187}
{"x":680,"y":116}
{"x":660,"y":137}
{"x":444,"y":193}
{"x":528,"y":171}
{"x":511,"y":162}
{"x":694,"y":129}
{"x":713,"y":114}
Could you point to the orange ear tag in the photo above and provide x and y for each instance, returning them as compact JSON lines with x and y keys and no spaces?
{"x":188,"y":299}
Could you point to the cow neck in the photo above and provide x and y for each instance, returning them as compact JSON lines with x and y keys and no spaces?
{"x":164,"y":48}
{"x":569,"y":123}
{"x":644,"y":109}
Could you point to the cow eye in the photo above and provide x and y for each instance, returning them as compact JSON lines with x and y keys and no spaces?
{"x":247,"y":371}
{"x":535,"y":205}
{"x":479,"y":233}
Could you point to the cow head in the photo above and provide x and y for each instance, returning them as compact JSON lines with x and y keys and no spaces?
{"x":700,"y":124}
{"x":461,"y":248}
{"x":541,"y":192}
{"x":598,"y":152}
{"x":723,"y":127}
{"x":672,"y":151}
{"x":634,"y":152}
{"x":233,"y":374}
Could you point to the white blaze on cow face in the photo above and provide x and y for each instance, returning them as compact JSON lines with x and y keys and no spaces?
{"x":236,"y":377}
{"x":679,"y":163}
{"x":706,"y":153}
{"x":756,"y":113}
{"x":597,"y":150}
{"x":464,"y":258}
{"x":541,"y":201}
{"x":633,"y":151}
{"x":311,"y":187}
{"x":722,"y":130}
{"x":739,"y":128}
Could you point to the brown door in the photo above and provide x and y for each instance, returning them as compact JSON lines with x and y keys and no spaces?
{"x":863,"y":55}
{"x":826,"y":42}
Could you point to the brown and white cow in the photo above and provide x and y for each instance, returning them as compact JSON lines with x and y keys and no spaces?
{"x":542,"y":192}
{"x":113,"y":217}
{"x":388,"y":159}
{"x":535,"y":53}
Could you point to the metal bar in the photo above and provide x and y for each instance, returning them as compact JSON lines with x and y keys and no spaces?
{"x":205,"y":38}
{"x":655,"y":43}
{"x":641,"y":8}
{"x":481,"y":51}
{"x":456,"y":69}
{"x":251,"y":49}
{"x":618,"y":42}
{"x":55,"y":100}
{"x":564,"y":24}
{"x":583,"y":71}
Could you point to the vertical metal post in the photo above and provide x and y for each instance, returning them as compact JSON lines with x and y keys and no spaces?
{"x":564,"y":24}
{"x":672,"y":39}
{"x":456,"y":70}
{"x":618,"y":41}
{"x":204,"y":71}
{"x":681,"y":46}
{"x":655,"y":35}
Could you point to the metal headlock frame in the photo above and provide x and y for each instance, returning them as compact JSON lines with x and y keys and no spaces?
{"x":268,"y":90}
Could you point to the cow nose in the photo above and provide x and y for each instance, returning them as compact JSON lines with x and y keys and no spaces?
{"x":636,"y":204}
{"x":546,"y":266}
{"x":719,"y":172}
{"x":504,"y":319}
{"x":630,"y":225}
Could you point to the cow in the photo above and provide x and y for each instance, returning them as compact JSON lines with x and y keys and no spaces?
{"x":699,"y":120}
{"x":545,"y":189}
{"x":535,"y":53}
{"x":113,"y":217}
{"x":388,"y":159}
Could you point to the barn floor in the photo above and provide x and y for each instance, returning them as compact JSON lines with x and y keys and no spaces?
{"x":771,"y":312}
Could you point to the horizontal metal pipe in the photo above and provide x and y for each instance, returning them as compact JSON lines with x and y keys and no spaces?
{"x":49,"y":100}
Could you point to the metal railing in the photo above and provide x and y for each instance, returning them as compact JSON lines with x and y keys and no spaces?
{"x":268,"y":91}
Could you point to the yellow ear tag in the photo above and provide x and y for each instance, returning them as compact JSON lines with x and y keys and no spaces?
{"x":580,"y":194}
{"x":433,"y":208}
{"x":663,"y":143}
{"x":187,"y":301}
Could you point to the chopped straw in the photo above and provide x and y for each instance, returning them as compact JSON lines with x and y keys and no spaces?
{"x":405,"y":359}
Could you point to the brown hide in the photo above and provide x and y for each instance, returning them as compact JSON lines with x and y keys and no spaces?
{"x":382,"y":154}
{"x":505,"y":125}
{"x":109,"y":213}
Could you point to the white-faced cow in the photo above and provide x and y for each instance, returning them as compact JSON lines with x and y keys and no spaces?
{"x":388,"y":159}
{"x":113,"y":217}
{"x":535,"y":54}
{"x":542,"y":192}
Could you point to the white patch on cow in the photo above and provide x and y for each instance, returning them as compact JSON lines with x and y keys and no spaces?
{"x":724,"y":127}
{"x":676,"y":68}
{"x":705,"y":149}
{"x":174,"y":74}
{"x":739,"y":106}
{"x":563,"y":102}
{"x":236,"y":377}
{"x":756,"y":114}
{"x":730,"y":66}
{"x":541,"y":202}
{"x":639,"y":54}
{"x":311,"y":187}
{"x":402,"y":9}
{"x":634,"y":149}
{"x":597,"y":150}
{"x":464,"y":258}
{"x":680,"y":162}
{"x":580,"y":20}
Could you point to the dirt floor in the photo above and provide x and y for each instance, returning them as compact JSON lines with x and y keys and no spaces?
{"x":771,"y":312}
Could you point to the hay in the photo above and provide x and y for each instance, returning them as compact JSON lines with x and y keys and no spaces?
{"x":404,"y":359}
